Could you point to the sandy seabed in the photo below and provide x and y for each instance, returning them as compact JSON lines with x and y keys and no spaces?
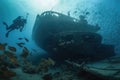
{"x":66,"y":75}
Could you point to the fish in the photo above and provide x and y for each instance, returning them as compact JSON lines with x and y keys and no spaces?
{"x":25,"y":53}
{"x":75,"y":12}
{"x":26,"y":40}
{"x":20,"y":44}
{"x":87,"y":13}
{"x":3,"y":46}
{"x":20,"y":38}
{"x":11,"y":48}
{"x":25,"y":49}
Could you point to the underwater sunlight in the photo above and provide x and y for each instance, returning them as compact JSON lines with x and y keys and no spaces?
{"x":59,"y":40}
{"x":43,"y":4}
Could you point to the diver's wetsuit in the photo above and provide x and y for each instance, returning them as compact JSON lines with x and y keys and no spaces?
{"x":22,"y":23}
{"x":18,"y":23}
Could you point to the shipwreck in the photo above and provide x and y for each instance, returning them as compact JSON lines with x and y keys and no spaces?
{"x":65,"y":37}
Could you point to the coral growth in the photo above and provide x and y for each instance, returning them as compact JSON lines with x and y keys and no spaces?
{"x":44,"y":65}
{"x":6,"y":74}
{"x":11,"y":59}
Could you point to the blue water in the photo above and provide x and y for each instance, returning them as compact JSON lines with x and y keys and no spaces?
{"x":106,"y":13}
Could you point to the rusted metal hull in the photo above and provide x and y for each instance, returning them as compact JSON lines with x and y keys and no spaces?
{"x":67,"y":37}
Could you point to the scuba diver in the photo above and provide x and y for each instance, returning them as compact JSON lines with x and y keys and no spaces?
{"x":18,"y":23}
